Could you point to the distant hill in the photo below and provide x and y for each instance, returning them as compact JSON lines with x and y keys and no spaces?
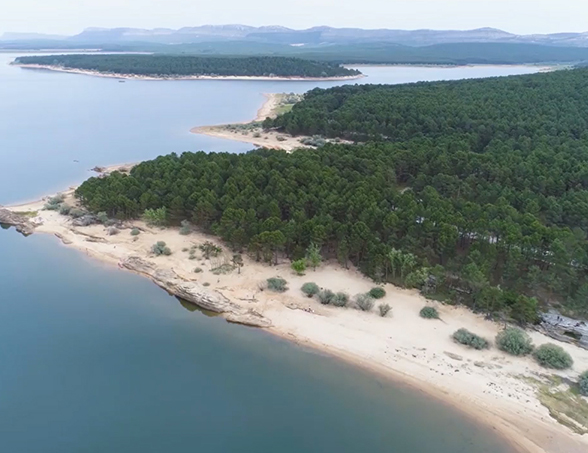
{"x":312,"y":36}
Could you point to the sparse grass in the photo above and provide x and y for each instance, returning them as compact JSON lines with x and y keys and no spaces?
{"x":223,"y":269}
{"x":27,"y":213}
{"x":564,"y":402}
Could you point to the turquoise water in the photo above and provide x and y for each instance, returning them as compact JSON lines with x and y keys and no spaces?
{"x":93,"y":359}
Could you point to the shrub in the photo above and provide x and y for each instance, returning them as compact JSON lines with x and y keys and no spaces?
{"x":340,"y":300}
{"x":102,"y":217}
{"x":64,"y":209}
{"x":470,"y":339}
{"x":52,"y":207}
{"x":429,"y":313}
{"x":281,"y":138}
{"x":198,"y":270}
{"x":583,"y":383}
{"x":135,"y":232}
{"x":76,"y":213}
{"x":156,"y":217}
{"x":377,"y":292}
{"x":299,"y":266}
{"x":553,"y":356}
{"x":256,"y":134}
{"x":205,"y":284}
{"x":185,"y":249}
{"x":364,"y":302}
{"x":112,"y":231}
{"x":277,"y":284}
{"x":186,"y":228}
{"x":160,"y":248}
{"x":310,"y":289}
{"x":384,"y":309}
{"x":514,"y":341}
{"x":326,"y":296}
{"x":210,"y":250}
{"x":54,"y":203}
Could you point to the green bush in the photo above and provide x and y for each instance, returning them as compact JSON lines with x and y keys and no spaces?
{"x":277,"y":284}
{"x":514,"y":341}
{"x":326,"y":296}
{"x":299,"y":266}
{"x":583,"y":383}
{"x":135,"y":232}
{"x":76,"y":213}
{"x":155,"y":217}
{"x":102,"y":217}
{"x":54,"y":203}
{"x":340,"y":300}
{"x":553,"y":356}
{"x":364,"y":302}
{"x":429,"y":313}
{"x":310,"y":289}
{"x":186,"y":228}
{"x":198,"y":270}
{"x":384,"y":309}
{"x":64,"y":209}
{"x":377,"y":292}
{"x":160,"y":248}
{"x":470,"y":339}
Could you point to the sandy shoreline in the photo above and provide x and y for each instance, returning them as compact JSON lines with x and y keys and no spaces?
{"x":402,"y":347}
{"x":266,"y":139}
{"x":490,"y":386}
{"x":203,"y":77}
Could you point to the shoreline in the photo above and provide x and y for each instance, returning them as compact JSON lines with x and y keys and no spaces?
{"x":402,"y":348}
{"x":266,"y":139}
{"x":193,"y":77}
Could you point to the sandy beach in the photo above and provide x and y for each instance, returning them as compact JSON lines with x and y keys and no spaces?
{"x":507,"y":393}
{"x":199,"y":77}
{"x":254,"y":134}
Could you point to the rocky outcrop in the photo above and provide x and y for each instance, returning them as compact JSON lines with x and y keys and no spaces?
{"x":195,"y":293}
{"x":21,"y":223}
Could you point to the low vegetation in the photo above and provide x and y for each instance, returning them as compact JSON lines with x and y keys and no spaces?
{"x":299,"y":266}
{"x":514,"y":341}
{"x":185,"y":228}
{"x":583,"y":383}
{"x":384,"y":309}
{"x":377,"y":292}
{"x":429,"y":313}
{"x":326,"y":296}
{"x":310,"y":289}
{"x":341,"y":299}
{"x":160,"y":248}
{"x":155,"y":217}
{"x":277,"y":284}
{"x":467,"y":338}
{"x":135,"y":232}
{"x":553,"y":356}
{"x":364,"y":302}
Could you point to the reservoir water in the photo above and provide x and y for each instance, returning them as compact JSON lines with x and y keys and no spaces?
{"x":93,"y":359}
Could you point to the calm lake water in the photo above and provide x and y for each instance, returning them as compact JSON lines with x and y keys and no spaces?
{"x":93,"y":359}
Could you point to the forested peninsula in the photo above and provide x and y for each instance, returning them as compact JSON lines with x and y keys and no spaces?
{"x":172,"y":66}
{"x":472,"y":191}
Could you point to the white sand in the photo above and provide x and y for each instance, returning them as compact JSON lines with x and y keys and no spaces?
{"x":401,"y":346}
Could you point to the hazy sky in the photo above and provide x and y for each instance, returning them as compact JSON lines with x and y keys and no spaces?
{"x":517,"y":16}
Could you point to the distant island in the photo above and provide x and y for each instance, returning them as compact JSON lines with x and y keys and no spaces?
{"x":189,"y":67}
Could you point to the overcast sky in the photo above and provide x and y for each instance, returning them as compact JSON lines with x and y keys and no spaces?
{"x":517,"y":16}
